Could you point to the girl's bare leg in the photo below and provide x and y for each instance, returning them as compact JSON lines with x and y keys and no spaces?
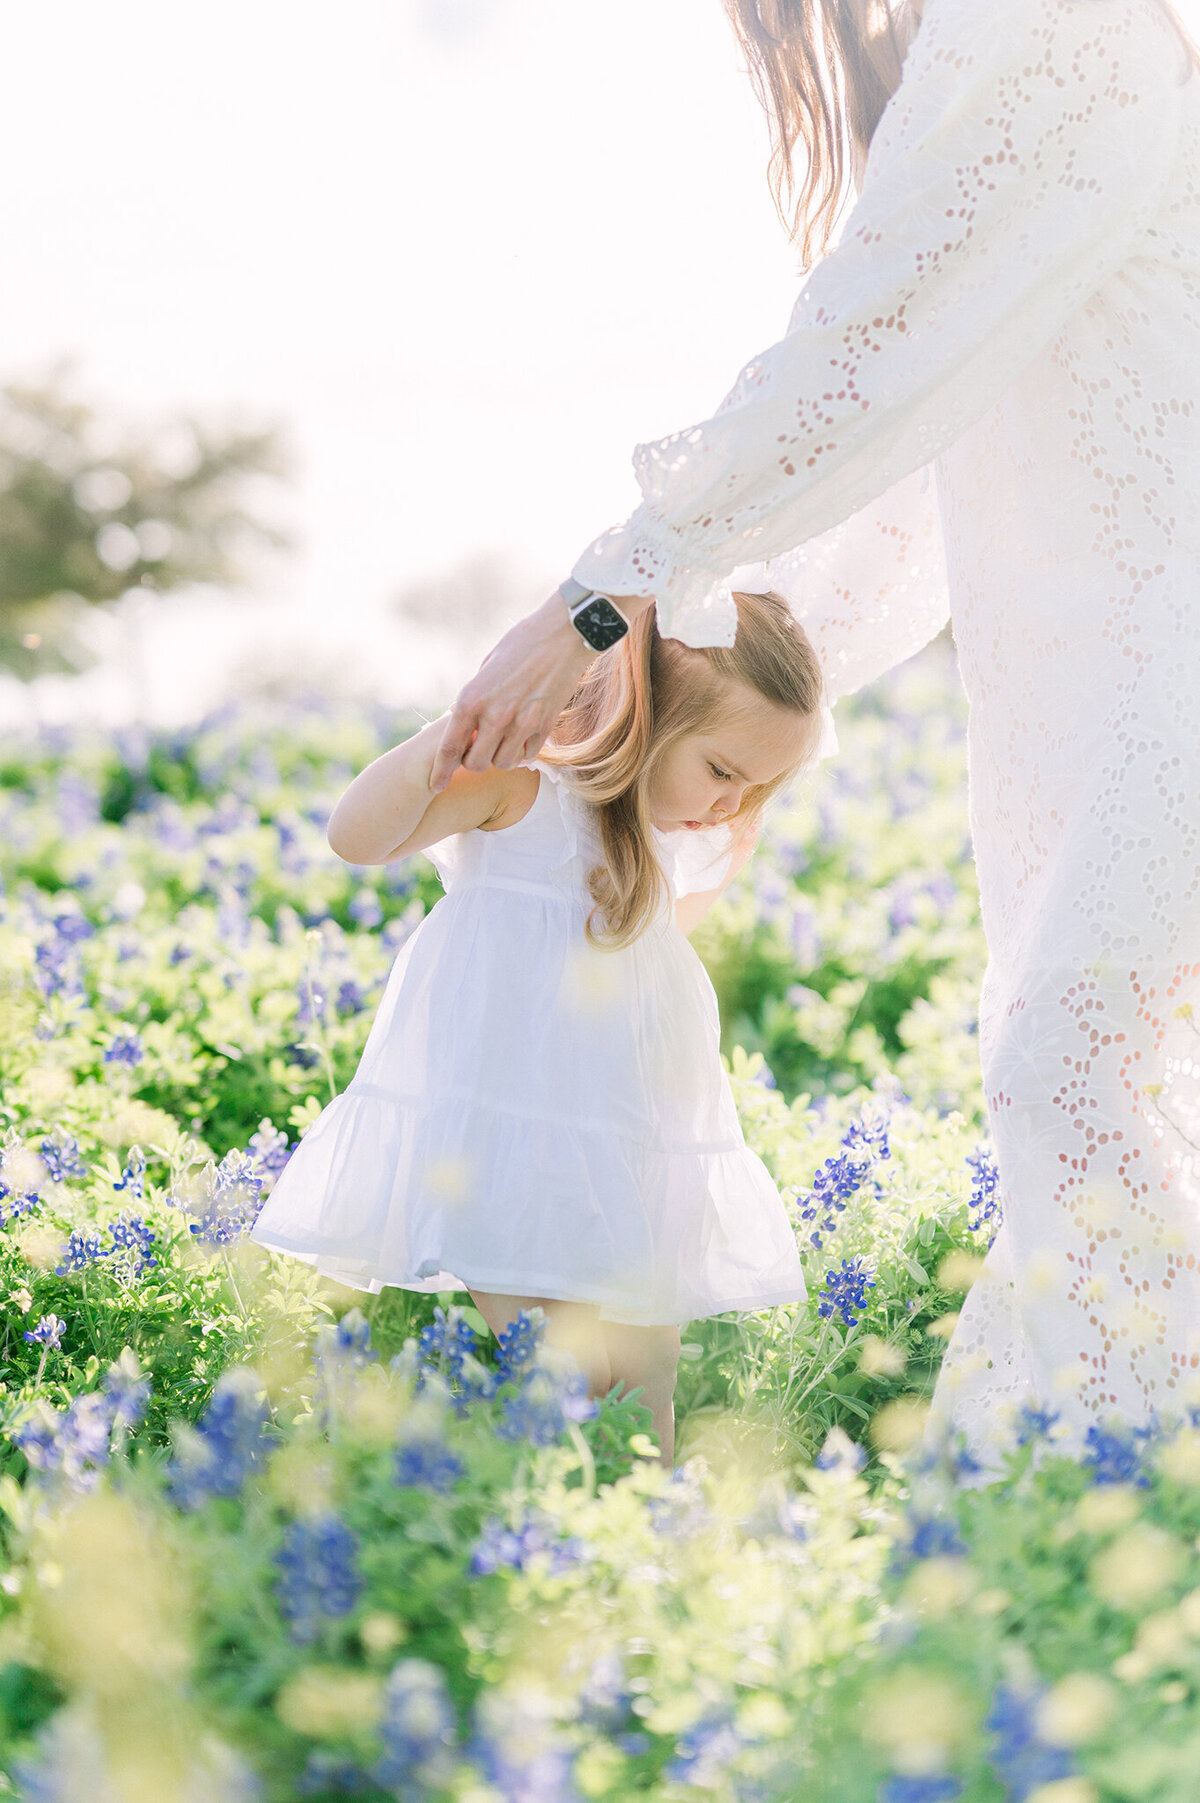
{"x":572,"y":1326}
{"x":648,"y":1357}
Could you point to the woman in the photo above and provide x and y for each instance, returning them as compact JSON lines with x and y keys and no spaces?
{"x":1016,"y":295}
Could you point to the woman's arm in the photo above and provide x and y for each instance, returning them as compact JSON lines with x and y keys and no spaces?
{"x":691,"y":909}
{"x":390,"y":811}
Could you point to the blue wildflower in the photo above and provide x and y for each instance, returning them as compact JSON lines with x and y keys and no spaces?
{"x":60,"y":1155}
{"x":125,"y":1389}
{"x":423,"y":1460}
{"x":130,"y":1233}
{"x":350,"y":998}
{"x":417,"y":1728}
{"x":325,"y":1771}
{"x":225,"y":1199}
{"x":133,"y":1177}
{"x":447,"y":1341}
{"x":217,"y":1456}
{"x":318,"y":1577}
{"x":846,"y":1290}
{"x":1019,"y":1759}
{"x":871,"y":1136}
{"x":365,"y":908}
{"x":553,"y":1395}
{"x":73,"y":929}
{"x":933,"y":1536}
{"x":520,"y":1749}
{"x":48,"y":1332}
{"x":1034,"y":1423}
{"x":15,"y":1202}
{"x":1115,"y":1457}
{"x":837,"y":1180}
{"x":841,"y":1454}
{"x":344,"y":1345}
{"x":923,"y":1787}
{"x":606,"y":1701}
{"x":83,"y":1248}
{"x":519,"y":1343}
{"x":985,"y":1187}
{"x":71,"y":1445}
{"x":126,"y":1049}
{"x":535,"y":1535}
{"x":270,"y":1150}
{"x":704,"y":1752}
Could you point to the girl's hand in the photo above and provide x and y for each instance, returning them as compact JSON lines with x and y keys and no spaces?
{"x":505,"y":712}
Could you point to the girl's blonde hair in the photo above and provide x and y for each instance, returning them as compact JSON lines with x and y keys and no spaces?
{"x":642,"y":697}
{"x":824,"y":70}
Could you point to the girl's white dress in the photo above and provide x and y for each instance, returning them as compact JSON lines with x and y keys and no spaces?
{"x":534,"y":1116}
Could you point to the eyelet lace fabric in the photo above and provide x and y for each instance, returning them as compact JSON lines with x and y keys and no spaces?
{"x":1016,"y":301}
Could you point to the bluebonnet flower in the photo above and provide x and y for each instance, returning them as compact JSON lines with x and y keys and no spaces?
{"x":130,"y":1233}
{"x":270,"y":1150}
{"x":846,"y":1290}
{"x":133,"y":1177}
{"x":48,"y":1332}
{"x":325,"y":1771}
{"x":82,"y":1249}
{"x":225,"y":1199}
{"x":535,"y":1535}
{"x":417,"y":1728}
{"x":841,"y":1454}
{"x":922,"y":1787}
{"x":180,"y":953}
{"x":217,"y":1456}
{"x":350,"y":998}
{"x":553,"y":1395}
{"x":1019,"y":1759}
{"x":15,"y":1202}
{"x":447,"y":1341}
{"x":520,"y":1750}
{"x":365,"y":908}
{"x":344,"y":1345}
{"x":60,"y":1155}
{"x":72,"y":1445}
{"x":318,"y":1577}
{"x":1115,"y":1457}
{"x":519,"y":1343}
{"x":837,"y":1180}
{"x":932,"y":1536}
{"x":871,"y":1136}
{"x":126,"y":1049}
{"x":73,"y":928}
{"x":126,"y":1390}
{"x":985,"y":1199}
{"x":423,"y":1460}
{"x":56,"y":968}
{"x":1034,"y":1423}
{"x":704,"y":1752}
{"x":605,"y":1701}
{"x":681,"y":1510}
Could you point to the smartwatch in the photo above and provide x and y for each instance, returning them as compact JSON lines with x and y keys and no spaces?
{"x":597,"y":620}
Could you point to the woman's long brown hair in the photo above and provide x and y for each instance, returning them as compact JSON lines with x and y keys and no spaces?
{"x":824,"y":70}
{"x":640,"y":698}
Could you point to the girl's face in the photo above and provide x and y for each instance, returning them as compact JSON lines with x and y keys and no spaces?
{"x":702,"y":778}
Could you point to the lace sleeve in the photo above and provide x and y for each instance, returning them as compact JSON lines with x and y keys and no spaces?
{"x":1010,"y":176}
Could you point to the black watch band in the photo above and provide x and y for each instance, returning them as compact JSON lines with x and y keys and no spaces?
{"x":597,"y":620}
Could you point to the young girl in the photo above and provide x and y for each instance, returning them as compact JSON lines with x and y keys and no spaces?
{"x":540,"y":1115}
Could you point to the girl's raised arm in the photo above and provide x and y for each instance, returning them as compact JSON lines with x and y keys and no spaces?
{"x":389,"y":811}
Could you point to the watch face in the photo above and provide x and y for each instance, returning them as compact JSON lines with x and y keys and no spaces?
{"x":600,"y":623}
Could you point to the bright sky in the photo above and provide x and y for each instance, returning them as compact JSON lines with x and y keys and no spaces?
{"x":468,"y":252}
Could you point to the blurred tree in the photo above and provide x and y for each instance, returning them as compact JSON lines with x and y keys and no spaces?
{"x":89,"y":513}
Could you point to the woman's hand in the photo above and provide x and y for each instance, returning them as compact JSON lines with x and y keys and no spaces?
{"x":505,"y":712}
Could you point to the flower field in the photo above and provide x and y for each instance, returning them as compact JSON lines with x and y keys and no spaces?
{"x":265,"y":1538}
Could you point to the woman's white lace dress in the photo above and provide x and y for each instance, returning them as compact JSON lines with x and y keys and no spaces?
{"x":1015,"y":300}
